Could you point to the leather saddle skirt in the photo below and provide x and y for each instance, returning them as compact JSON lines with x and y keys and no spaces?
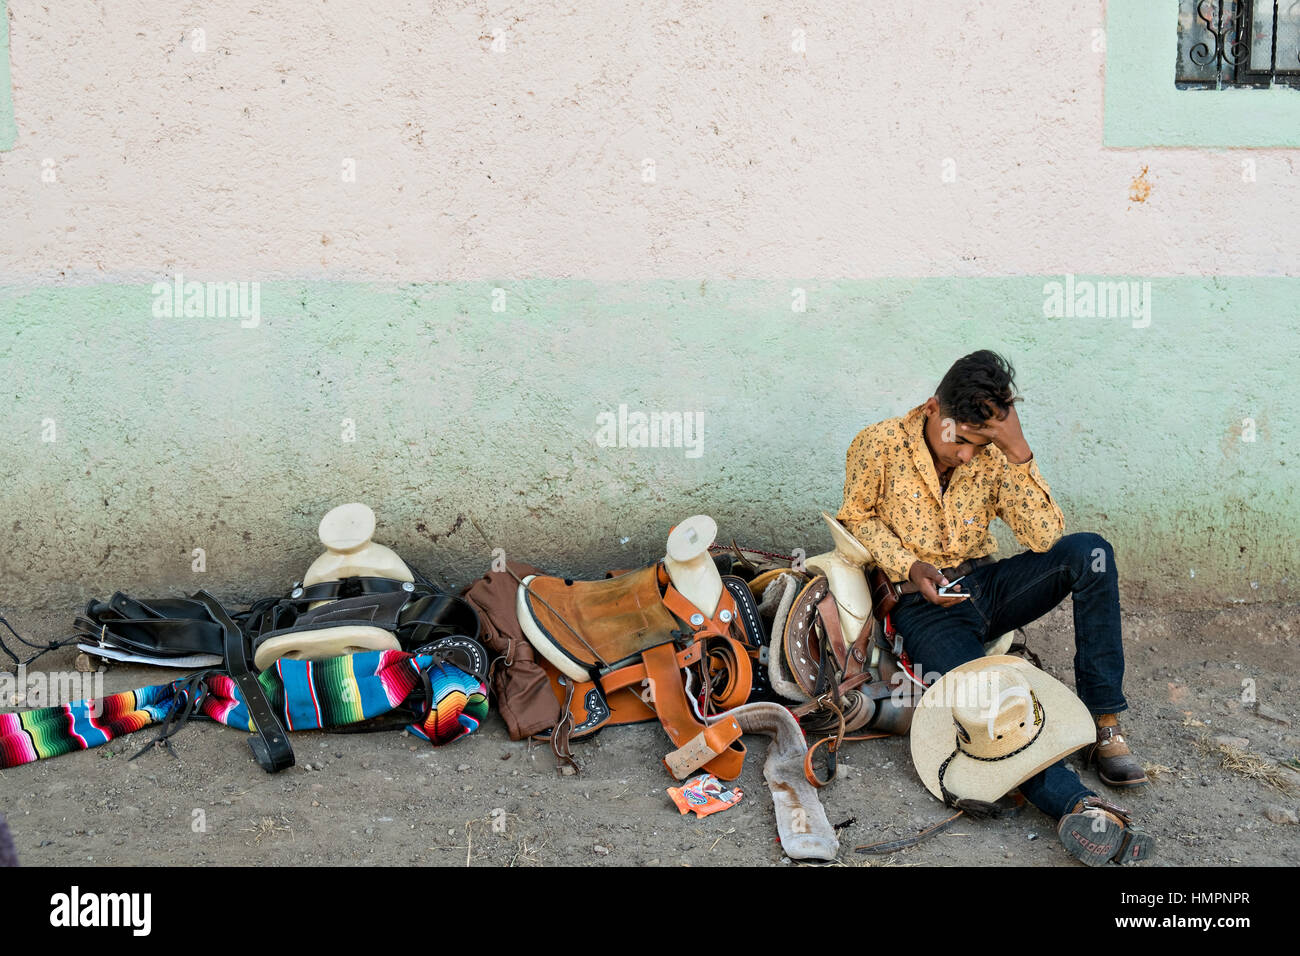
{"x":158,"y":628}
{"x":587,"y":629}
{"x":360,"y":614}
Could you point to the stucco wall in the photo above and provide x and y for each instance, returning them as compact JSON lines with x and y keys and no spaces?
{"x":947,"y":145}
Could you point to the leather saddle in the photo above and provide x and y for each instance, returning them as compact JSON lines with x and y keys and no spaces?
{"x":858,"y":674}
{"x":587,"y":628}
{"x":397,"y":619}
{"x":631,"y":648}
{"x":359,"y":614}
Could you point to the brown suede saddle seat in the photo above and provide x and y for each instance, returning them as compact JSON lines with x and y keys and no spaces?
{"x":591,"y":628}
{"x":627,"y":648}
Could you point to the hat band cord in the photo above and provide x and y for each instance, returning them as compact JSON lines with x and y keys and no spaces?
{"x":1040,"y":720}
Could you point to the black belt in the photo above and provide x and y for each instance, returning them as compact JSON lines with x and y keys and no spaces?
{"x":952,"y":574}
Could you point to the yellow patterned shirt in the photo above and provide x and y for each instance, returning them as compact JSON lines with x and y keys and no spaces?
{"x":894,"y":506}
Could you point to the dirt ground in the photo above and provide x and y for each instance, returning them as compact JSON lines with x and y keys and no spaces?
{"x":387,"y":798}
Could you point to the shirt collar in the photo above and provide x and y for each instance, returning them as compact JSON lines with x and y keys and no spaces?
{"x":914,"y":429}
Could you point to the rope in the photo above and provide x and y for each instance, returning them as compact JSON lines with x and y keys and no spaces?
{"x":49,"y":646}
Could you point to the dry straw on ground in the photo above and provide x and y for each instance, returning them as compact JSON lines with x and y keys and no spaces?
{"x":1246,"y":764}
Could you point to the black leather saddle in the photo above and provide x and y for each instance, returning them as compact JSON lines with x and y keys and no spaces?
{"x":423,"y":618}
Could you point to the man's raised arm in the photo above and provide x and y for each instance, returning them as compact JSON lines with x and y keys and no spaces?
{"x":1025,"y":501}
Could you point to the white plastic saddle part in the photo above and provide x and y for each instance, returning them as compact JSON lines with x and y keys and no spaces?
{"x":346,"y":532}
{"x":844,"y":572}
{"x":689,"y":565}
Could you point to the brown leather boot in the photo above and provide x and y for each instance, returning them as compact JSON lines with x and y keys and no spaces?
{"x":1116,"y":764}
{"x":1097,"y":833}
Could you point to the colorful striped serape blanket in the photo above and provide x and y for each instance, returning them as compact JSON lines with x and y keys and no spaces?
{"x":306,"y":695}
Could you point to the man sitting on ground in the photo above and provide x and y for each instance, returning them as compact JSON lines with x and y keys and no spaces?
{"x":921,"y":491}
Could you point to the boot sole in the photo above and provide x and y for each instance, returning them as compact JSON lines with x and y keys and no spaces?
{"x":1098,"y":847}
{"x":1087,"y":845}
{"x":1137,"y":846}
{"x":1120,"y":784}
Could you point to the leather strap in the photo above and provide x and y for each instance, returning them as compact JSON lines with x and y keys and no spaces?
{"x":352,"y":587}
{"x":730,"y":672}
{"x":1094,"y":802}
{"x":562,"y":731}
{"x":1009,"y":804}
{"x":726,"y":755}
{"x":724,"y":615}
{"x":754,"y":634}
{"x":828,"y":612}
{"x":889,"y":846}
{"x":832,"y":756}
{"x":162,"y":627}
{"x":270,"y":744}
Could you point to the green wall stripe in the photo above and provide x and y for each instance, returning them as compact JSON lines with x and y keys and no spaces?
{"x":1144,"y":108}
{"x":176,"y":433}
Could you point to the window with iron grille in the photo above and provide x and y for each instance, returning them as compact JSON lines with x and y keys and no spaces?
{"x":1227,"y":43}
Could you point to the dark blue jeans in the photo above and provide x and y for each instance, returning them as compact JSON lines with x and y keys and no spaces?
{"x":1009,"y":594}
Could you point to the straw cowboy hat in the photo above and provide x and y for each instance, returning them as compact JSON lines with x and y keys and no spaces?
{"x":986,"y":727}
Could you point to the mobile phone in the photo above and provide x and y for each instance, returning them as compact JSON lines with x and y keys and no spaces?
{"x":946,"y":592}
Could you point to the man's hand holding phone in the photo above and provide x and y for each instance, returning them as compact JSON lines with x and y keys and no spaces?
{"x":934,"y":587}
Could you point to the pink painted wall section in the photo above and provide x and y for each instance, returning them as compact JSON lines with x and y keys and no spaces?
{"x":446,"y":141}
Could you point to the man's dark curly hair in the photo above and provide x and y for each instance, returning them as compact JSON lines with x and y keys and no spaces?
{"x":978,"y":387}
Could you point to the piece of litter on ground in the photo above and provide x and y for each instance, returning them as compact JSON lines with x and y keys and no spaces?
{"x":704,"y":794}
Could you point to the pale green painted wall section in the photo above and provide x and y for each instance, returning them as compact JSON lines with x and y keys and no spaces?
{"x":174,"y":434}
{"x":1145,"y":108}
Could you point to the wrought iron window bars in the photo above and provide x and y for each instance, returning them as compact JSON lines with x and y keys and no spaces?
{"x":1238,"y":43}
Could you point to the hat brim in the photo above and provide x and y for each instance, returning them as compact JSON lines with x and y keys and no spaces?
{"x":1069,"y":727}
